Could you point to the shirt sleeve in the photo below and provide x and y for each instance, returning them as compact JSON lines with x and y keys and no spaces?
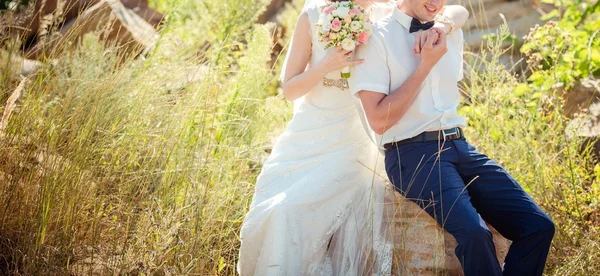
{"x":458,"y":38}
{"x":373,"y":74}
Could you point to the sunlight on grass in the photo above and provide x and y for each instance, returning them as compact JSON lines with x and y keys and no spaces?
{"x":116,"y":165}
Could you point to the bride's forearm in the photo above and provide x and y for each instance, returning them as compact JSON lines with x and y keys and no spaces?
{"x":299,"y":85}
{"x":458,"y":14}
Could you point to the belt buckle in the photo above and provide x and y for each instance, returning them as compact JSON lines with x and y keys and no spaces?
{"x":450,"y":132}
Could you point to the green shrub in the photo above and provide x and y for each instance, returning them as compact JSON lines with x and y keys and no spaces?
{"x":521,"y":124}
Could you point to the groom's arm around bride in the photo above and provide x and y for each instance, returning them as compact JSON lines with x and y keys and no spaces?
{"x":412,"y":101}
{"x":382,"y":110}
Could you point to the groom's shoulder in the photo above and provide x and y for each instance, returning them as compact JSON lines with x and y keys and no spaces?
{"x":380,"y":32}
{"x":384,"y":28}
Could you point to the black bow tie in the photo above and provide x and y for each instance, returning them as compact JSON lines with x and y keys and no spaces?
{"x":416,"y":25}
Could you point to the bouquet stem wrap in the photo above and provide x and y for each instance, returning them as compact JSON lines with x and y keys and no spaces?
{"x":345,"y":73}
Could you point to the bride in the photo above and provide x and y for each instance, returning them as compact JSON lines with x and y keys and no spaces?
{"x":319,"y":202}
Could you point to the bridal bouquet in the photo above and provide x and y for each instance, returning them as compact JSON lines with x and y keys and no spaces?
{"x":343,"y":24}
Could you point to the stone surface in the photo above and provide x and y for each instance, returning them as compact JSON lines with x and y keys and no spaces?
{"x":581,"y":97}
{"x":485,"y":19}
{"x":33,"y":25}
{"x":582,"y":104}
{"x":269,"y":15}
{"x":117,"y":24}
{"x":47,"y":12}
{"x":19,"y":66}
{"x":424,"y":248}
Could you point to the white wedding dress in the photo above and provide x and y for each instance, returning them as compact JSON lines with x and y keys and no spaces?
{"x":318,"y":206}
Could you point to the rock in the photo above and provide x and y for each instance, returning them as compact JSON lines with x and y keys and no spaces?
{"x":269,"y":15}
{"x":19,"y":66}
{"x":150,"y":15}
{"x":587,"y":127}
{"x":140,"y":7}
{"x":29,"y":67}
{"x":485,"y":19}
{"x":581,"y":97}
{"x":424,"y":248}
{"x":49,"y":12}
{"x":118,"y":24}
{"x":32,"y":25}
{"x":582,"y":103}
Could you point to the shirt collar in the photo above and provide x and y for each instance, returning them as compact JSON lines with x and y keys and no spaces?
{"x":402,"y":17}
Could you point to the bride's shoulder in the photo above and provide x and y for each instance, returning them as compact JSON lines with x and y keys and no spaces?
{"x":382,"y":23}
{"x":316,"y":7}
{"x":382,"y":10}
{"x":313,"y":11}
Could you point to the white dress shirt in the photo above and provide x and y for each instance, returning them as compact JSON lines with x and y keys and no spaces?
{"x":389,"y":62}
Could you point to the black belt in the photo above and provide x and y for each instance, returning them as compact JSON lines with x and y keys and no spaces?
{"x":442,"y":135}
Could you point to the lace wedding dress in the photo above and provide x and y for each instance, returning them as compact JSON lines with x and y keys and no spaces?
{"x":319,"y":202}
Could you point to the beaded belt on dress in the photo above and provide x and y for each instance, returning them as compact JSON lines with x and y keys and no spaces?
{"x":339,"y":83}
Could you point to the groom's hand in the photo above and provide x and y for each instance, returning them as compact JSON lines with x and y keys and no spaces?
{"x":434,"y":47}
{"x":420,"y":39}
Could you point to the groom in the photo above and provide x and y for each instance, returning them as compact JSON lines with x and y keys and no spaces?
{"x":411,"y":100}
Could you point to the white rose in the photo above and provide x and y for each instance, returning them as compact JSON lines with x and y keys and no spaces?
{"x":348,"y":44}
{"x":326,"y":27}
{"x":329,"y":17}
{"x":355,"y":26}
{"x":322,"y":19}
{"x":367,"y":26}
{"x":332,"y":36}
{"x":342,"y":11}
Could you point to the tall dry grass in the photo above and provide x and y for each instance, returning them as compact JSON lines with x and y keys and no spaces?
{"x":126,"y":167}
{"x":115,"y":167}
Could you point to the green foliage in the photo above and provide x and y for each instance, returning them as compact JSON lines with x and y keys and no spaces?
{"x":219,"y":27}
{"x":6,"y":4}
{"x":564,"y":51}
{"x":521,"y":124}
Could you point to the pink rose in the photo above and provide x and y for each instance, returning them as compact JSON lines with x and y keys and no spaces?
{"x":354,"y":12}
{"x":336,"y":25}
{"x":363,"y":37}
{"x":348,"y":19}
{"x":329,"y":10}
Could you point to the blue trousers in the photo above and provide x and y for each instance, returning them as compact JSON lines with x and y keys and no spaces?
{"x":461,"y":188}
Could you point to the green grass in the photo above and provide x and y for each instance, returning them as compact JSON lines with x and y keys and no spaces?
{"x":125,"y":168}
{"x":523,"y":127}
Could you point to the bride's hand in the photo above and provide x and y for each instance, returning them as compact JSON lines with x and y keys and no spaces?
{"x":421,"y":37}
{"x":338,"y":58}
